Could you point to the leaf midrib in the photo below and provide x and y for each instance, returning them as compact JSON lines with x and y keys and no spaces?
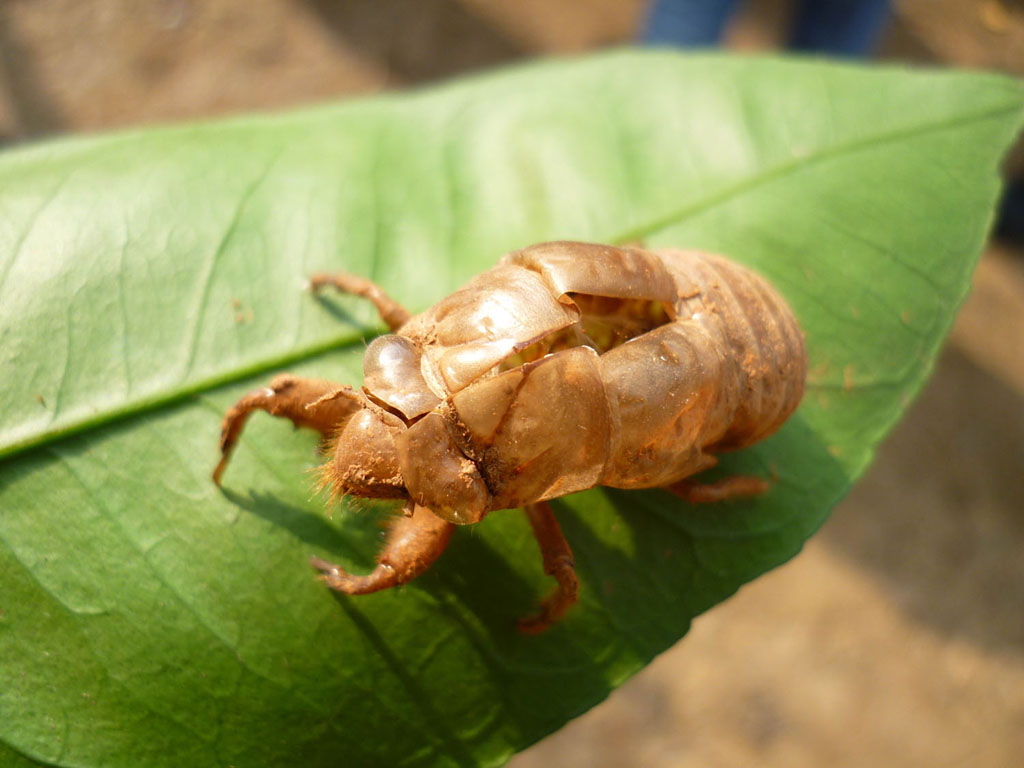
{"x":167,"y":397}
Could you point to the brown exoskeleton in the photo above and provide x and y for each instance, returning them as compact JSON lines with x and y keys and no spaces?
{"x":566,"y":366}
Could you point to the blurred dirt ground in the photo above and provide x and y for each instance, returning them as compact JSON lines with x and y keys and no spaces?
{"x":897,"y":637}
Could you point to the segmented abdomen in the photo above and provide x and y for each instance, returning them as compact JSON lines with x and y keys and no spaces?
{"x":758,"y":332}
{"x":726,"y":372}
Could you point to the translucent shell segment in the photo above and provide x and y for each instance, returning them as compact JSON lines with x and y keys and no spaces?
{"x":471,"y":331}
{"x":391,"y":374}
{"x":665,"y":395}
{"x":598,"y":270}
{"x":539,"y":431}
{"x":437,"y":475}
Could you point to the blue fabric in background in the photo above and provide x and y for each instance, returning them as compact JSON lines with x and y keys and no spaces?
{"x":688,"y":23}
{"x":835,"y":27}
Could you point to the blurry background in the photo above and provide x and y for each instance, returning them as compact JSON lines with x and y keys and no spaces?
{"x":897,"y":637}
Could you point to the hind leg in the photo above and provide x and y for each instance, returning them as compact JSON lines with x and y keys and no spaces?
{"x":558,"y":562}
{"x":734,"y":487}
{"x":413,"y":543}
{"x":321,"y":405}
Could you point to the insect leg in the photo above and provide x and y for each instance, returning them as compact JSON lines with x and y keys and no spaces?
{"x":558,"y":562}
{"x":321,"y":405}
{"x":413,"y":544}
{"x":392,"y":313}
{"x":735,"y":487}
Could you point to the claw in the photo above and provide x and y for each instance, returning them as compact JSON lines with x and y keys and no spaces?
{"x":413,"y":544}
{"x":555,"y":605}
{"x":382,"y":577}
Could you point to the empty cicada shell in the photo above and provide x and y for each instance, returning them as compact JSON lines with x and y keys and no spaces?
{"x":566,"y":366}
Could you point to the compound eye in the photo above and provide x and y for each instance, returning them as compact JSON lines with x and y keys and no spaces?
{"x":391,"y":374}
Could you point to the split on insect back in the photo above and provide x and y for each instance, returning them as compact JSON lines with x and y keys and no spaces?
{"x":566,"y":366}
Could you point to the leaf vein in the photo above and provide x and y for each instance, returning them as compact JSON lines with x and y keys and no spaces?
{"x":782,"y":170}
{"x":203,"y":295}
{"x":77,"y":615}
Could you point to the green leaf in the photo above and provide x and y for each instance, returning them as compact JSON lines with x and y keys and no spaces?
{"x":148,"y":278}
